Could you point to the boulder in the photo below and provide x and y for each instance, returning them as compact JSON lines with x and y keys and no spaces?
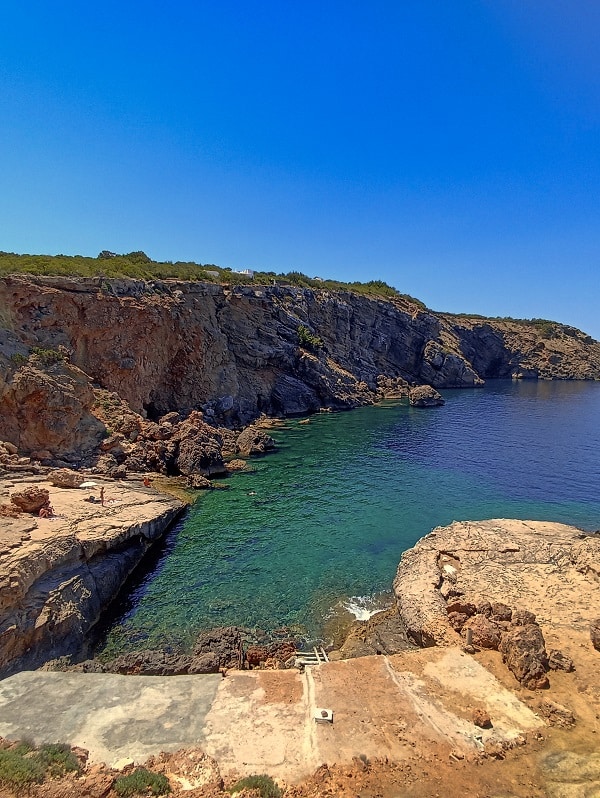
{"x":457,"y":620}
{"x":254,"y":441}
{"x":30,"y":500}
{"x":425,"y":396}
{"x":204,"y":663}
{"x":522,"y":618}
{"x":523,"y":649}
{"x":41,"y":454}
{"x":198,"y":482}
{"x":501,"y":612}
{"x":199,"y":449}
{"x":461,"y":605}
{"x":237,"y":465}
{"x":482,"y":718}
{"x":225,"y":642}
{"x":557,"y":661}
{"x":486,"y":634}
{"x":65,"y":478}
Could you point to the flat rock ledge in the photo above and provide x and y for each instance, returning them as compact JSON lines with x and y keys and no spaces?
{"x":57,"y":575}
{"x":546,"y":568}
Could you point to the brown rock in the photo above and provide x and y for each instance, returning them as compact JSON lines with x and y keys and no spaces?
{"x":485,"y":632}
{"x":65,"y":478}
{"x":501,"y":612}
{"x":254,"y":441}
{"x":556,"y":714}
{"x":204,"y":663}
{"x":189,"y":769}
{"x":484,"y":608}
{"x":224,"y":641}
{"x":522,"y":618}
{"x":595,"y":633}
{"x":457,"y":620}
{"x":523,"y":649}
{"x":30,"y":500}
{"x":42,"y":454}
{"x":237,"y":465}
{"x":425,"y":396}
{"x":482,"y":718}
{"x":198,"y":482}
{"x":461,"y":605}
{"x":557,"y":661}
{"x":256,"y":654}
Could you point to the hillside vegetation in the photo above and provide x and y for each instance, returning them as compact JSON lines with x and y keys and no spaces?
{"x":139,"y":266}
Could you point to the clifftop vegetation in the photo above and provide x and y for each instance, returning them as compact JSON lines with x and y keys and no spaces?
{"x":138,"y":265}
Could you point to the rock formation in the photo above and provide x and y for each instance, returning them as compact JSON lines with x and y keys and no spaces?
{"x":235,"y":352}
{"x":504,"y":585}
{"x":58,"y":575}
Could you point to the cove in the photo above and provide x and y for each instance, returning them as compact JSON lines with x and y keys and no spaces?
{"x":323,"y":522}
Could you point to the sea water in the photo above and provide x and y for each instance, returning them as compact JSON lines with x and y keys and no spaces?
{"x":318,"y":528}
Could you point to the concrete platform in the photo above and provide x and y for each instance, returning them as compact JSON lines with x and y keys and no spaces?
{"x":263,"y":721}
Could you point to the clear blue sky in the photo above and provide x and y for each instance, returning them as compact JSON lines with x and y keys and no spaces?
{"x":449,"y":147}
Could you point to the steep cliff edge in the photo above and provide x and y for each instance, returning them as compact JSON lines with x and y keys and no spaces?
{"x":57,"y":575}
{"x":236,"y":352}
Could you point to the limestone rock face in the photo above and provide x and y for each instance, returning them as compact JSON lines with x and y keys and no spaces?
{"x":527,"y":571}
{"x":48,"y":408}
{"x":234,"y":352}
{"x":58,"y":575}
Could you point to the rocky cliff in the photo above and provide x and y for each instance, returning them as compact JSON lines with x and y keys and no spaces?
{"x":57,"y":575}
{"x":237,"y":352}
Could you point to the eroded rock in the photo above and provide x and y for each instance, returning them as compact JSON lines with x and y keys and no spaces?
{"x":65,"y":478}
{"x":254,"y":441}
{"x":425,"y":396}
{"x":31,"y":499}
{"x":523,"y":649}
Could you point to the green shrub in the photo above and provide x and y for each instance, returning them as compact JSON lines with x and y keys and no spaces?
{"x":47,"y":356}
{"x":264,"y":784}
{"x":307,"y":340}
{"x":18,"y":359}
{"x":18,"y":770}
{"x":142,"y":782}
{"x":57,"y":759}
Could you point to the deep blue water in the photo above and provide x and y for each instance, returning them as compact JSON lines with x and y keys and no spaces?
{"x":327,"y":517}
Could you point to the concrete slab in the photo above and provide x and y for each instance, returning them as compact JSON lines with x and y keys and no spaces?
{"x":263,"y":721}
{"x":113,"y":716}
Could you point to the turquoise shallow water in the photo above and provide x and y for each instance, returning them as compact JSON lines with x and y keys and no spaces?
{"x":327,"y":517}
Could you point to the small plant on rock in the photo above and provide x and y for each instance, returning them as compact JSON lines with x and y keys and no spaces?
{"x":142,"y":782}
{"x":308,"y":340}
{"x":264,"y":784}
{"x":57,"y":759}
{"x":18,"y":770}
{"x":18,"y":359}
{"x":48,"y":357}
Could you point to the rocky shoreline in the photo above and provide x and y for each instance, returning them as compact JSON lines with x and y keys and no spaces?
{"x":58,"y":574}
